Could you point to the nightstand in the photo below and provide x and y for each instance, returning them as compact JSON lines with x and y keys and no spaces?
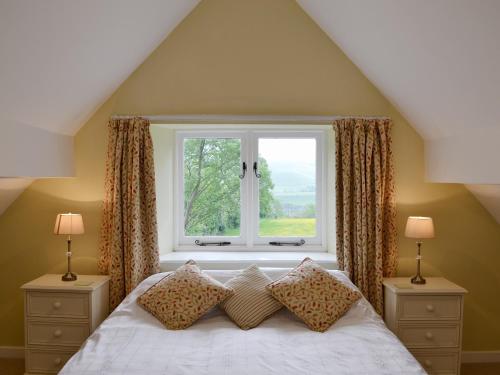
{"x":58,"y":318}
{"x":428,"y":320}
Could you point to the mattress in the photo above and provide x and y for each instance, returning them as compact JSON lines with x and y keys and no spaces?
{"x":131,"y":341}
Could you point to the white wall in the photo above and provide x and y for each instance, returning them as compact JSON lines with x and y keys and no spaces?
{"x":467,"y":158}
{"x":27,"y":151}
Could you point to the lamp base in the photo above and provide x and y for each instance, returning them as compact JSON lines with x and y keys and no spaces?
{"x":68,"y":276}
{"x":417,"y":279}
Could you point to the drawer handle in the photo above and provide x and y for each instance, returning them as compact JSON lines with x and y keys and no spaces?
{"x":429,"y":308}
{"x":428,"y":363}
{"x":57,"y":333}
{"x":429,"y":335}
{"x":57,"y":305}
{"x":57,"y":361}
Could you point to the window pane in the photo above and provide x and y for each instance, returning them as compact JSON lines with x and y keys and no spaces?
{"x":211,"y":187}
{"x":287,"y":187}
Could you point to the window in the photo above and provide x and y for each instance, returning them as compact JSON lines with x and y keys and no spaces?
{"x":250,"y":189}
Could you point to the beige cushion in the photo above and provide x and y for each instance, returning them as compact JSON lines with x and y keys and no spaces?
{"x":251,"y":303}
{"x":182,"y":297}
{"x":314,"y":295}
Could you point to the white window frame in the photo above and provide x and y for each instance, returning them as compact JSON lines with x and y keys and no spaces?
{"x":249,"y":239}
{"x":182,"y":239}
{"x":320,"y":238}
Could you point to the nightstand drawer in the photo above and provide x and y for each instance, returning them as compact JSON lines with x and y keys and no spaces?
{"x":421,"y":307}
{"x":46,"y":361}
{"x":437,"y":363}
{"x":59,"y":316}
{"x":57,"y":304}
{"x":56,"y":333}
{"x":429,"y":335}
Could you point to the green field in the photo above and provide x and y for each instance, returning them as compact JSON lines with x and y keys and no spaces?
{"x":285,"y":227}
{"x":288,"y":227}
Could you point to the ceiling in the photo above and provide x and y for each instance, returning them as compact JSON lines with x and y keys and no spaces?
{"x":61,"y":59}
{"x":437,"y":61}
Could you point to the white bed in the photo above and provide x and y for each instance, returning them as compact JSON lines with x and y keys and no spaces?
{"x":131,"y":341}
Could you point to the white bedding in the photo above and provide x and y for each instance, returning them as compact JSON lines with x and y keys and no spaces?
{"x":131,"y":341}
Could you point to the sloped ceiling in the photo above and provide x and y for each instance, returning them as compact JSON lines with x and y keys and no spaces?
{"x":437,"y":61}
{"x":61,"y":59}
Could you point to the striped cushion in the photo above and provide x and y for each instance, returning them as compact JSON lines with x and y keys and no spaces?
{"x":251,"y":303}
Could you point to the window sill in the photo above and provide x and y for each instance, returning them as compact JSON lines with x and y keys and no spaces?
{"x":235,"y":260}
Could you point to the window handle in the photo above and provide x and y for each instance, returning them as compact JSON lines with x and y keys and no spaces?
{"x":257,"y":174}
{"x":224,"y":243}
{"x":244,"y":168}
{"x":298,"y":243}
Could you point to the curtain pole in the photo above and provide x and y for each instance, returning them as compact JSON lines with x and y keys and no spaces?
{"x":224,"y":119}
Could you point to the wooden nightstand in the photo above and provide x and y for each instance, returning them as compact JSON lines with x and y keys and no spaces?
{"x":58,"y":318}
{"x":428,"y":320}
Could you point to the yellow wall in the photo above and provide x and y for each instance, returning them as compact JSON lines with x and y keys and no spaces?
{"x":252,"y":57}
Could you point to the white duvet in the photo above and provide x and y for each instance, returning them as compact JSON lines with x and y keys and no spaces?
{"x":131,"y":341}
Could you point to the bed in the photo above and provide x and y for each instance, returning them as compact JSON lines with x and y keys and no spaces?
{"x":131,"y":341}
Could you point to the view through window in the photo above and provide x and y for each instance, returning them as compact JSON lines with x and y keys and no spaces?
{"x":287,"y":190}
{"x":250,"y":188}
{"x":212,"y":187}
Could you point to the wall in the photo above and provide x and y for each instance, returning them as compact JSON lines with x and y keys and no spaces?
{"x":21,"y":147}
{"x":458,"y":158}
{"x":10,"y":189}
{"x":21,"y":150}
{"x":489,"y":196}
{"x":252,"y":57}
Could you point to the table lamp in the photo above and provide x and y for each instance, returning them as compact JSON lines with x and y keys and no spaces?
{"x":419,"y":227}
{"x":69,"y":224}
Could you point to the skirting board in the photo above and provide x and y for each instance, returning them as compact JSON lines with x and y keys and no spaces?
{"x":492,"y":356}
{"x":11,"y":352}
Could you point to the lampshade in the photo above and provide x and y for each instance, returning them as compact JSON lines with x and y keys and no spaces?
{"x":69,"y":224}
{"x":419,"y":227}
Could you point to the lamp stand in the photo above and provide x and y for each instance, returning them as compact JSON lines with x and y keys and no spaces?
{"x":418,"y":279}
{"x":69,"y":276}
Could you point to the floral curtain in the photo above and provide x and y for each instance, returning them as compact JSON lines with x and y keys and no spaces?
{"x":129,"y":238}
{"x":366,"y":232}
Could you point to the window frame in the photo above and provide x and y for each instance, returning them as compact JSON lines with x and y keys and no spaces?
{"x":320,"y":238}
{"x":181,"y":238}
{"x":248,"y":239}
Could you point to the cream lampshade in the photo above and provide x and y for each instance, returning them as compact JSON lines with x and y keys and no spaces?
{"x":419,"y":227}
{"x":69,"y":224}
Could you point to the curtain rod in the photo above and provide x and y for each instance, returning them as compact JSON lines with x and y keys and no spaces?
{"x":243,"y":119}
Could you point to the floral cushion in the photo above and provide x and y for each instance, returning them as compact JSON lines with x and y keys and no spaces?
{"x":183,"y":296}
{"x":314,"y":295}
{"x":251,"y":303}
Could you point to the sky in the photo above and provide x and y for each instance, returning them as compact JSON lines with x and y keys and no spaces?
{"x":291,"y":149}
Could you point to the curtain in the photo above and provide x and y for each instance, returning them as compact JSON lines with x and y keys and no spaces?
{"x":366,"y":231}
{"x":129,"y":238}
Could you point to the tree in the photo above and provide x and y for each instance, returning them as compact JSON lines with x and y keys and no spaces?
{"x":266,"y":186}
{"x":212,"y":186}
